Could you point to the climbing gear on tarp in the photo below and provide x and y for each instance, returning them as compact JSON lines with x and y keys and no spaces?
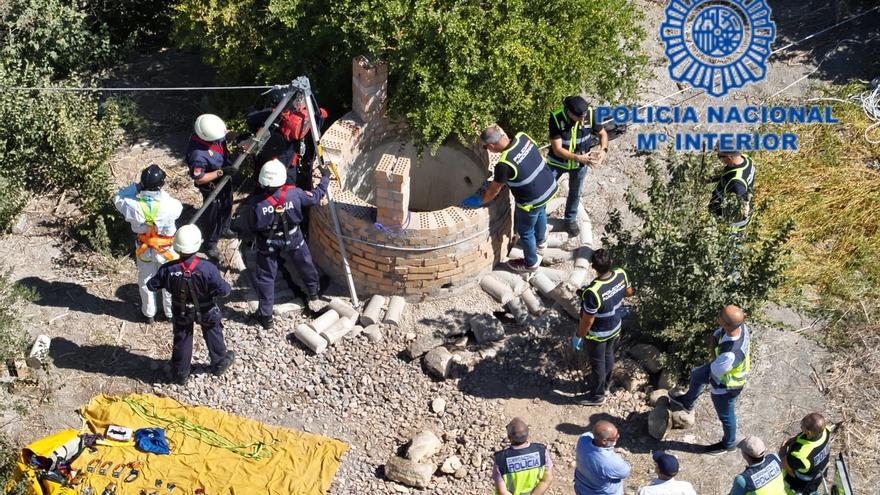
{"x":104,"y":467}
{"x":152,"y":441}
{"x":134,"y":470}
{"x":117,"y":471}
{"x":255,"y":451}
{"x":118,"y":433}
{"x":93,"y":465}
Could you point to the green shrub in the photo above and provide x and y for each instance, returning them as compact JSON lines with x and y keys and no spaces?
{"x":677,"y":259}
{"x":13,"y":339}
{"x":9,"y":482}
{"x":130,"y":23}
{"x":454,"y":66}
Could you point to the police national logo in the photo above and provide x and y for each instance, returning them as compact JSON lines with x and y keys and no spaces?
{"x":717,"y":45}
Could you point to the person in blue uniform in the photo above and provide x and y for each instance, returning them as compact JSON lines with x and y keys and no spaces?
{"x":194,"y":284}
{"x":208,"y":159}
{"x":274,"y":217}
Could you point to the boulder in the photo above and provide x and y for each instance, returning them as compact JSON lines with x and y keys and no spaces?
{"x":629,"y":375}
{"x":486,"y":328}
{"x":424,"y":344}
{"x":408,"y":472}
{"x":451,"y":465}
{"x":683,"y":419}
{"x":659,"y":422}
{"x":439,"y":362}
{"x":648,"y":356}
{"x":424,"y":444}
{"x":565,"y":295}
{"x":667,"y":379}
{"x":658,"y":396}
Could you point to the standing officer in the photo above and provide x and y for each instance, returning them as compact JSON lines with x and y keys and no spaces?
{"x":726,"y":374}
{"x":194,"y":285}
{"x":524,"y":468}
{"x":208,"y":159}
{"x":600,"y":324}
{"x":151,"y":213}
{"x":275,"y":219}
{"x":763,"y":475}
{"x":571,"y":129}
{"x":805,"y":457}
{"x":522,"y":168}
{"x":737,"y":179}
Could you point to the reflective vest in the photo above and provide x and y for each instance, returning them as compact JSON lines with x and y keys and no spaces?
{"x":521,"y":469}
{"x":610,"y":294}
{"x":151,"y":238}
{"x":735,"y":378}
{"x":814,"y":455}
{"x":575,"y":138}
{"x":743,"y":173}
{"x":532,"y":182}
{"x":765,"y":478}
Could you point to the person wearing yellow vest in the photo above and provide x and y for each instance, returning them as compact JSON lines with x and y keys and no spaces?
{"x":726,"y":374}
{"x":571,"y":130}
{"x":522,"y":168}
{"x":152,"y":213}
{"x":737,"y":179}
{"x":763,"y":475}
{"x":524,"y":468}
{"x":600,"y":324}
{"x":805,"y":456}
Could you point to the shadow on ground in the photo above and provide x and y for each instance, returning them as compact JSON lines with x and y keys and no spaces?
{"x":76,"y":298}
{"x":106,"y":359}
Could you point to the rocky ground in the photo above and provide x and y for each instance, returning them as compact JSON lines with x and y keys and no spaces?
{"x":372,"y":394}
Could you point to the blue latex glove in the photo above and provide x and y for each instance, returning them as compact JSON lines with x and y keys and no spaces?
{"x":474,"y":201}
{"x":577,"y":343}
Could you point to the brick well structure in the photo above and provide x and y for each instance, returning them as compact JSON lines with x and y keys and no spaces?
{"x":402,"y":231}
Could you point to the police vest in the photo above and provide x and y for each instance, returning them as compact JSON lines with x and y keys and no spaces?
{"x":610,"y":294}
{"x":575,"y":138}
{"x":734,"y":379}
{"x":522,"y":469}
{"x":532,"y":183}
{"x":744,"y":174}
{"x":814,"y":455}
{"x":765,"y":478}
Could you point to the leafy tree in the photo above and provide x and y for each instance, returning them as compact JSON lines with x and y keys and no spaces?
{"x":685,"y":266}
{"x":454,"y":66}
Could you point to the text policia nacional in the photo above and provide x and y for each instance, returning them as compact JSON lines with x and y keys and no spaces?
{"x":717,"y":115}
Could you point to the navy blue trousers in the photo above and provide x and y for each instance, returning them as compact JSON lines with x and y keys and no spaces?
{"x":212,"y":331}
{"x":267,"y":270}
{"x":216,"y":218}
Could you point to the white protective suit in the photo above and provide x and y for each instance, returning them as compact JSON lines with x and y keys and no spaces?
{"x":136,"y":207}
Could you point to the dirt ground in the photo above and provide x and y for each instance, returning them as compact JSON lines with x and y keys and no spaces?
{"x":90,"y":307}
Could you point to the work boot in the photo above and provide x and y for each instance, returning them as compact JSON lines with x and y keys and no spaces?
{"x":224,"y":364}
{"x":675,"y":400}
{"x":519,"y":265}
{"x":542,"y":246}
{"x":178,"y":379}
{"x":213,"y":253}
{"x":588,"y":400}
{"x":314,"y":304}
{"x":718,"y":448}
{"x":573,"y":228}
{"x":228,"y":233}
{"x":267,"y":322}
{"x":149,"y":320}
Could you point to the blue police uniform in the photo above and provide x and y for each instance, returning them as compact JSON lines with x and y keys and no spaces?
{"x":602,"y":299}
{"x":275,"y":220}
{"x":276,"y":147}
{"x":194,"y":285}
{"x":203,"y":157}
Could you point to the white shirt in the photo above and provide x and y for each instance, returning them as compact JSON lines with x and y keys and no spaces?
{"x":669,"y":487}
{"x":128,"y":202}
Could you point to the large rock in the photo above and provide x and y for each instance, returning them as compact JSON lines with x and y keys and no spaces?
{"x":659,"y":422}
{"x":565,"y":295}
{"x":486,"y":328}
{"x":424,"y":344}
{"x":648,"y":356}
{"x":683,"y":419}
{"x":667,"y":379}
{"x":451,"y":465}
{"x":658,"y":396}
{"x":438,"y":405}
{"x":408,"y":472}
{"x":424,"y":444}
{"x":629,"y":375}
{"x":439,"y":362}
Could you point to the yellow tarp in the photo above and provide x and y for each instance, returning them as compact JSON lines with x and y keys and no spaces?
{"x":300,"y":463}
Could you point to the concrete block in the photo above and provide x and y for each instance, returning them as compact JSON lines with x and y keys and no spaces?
{"x":310,"y":338}
{"x":438,"y":361}
{"x":324,"y":321}
{"x":373,"y":333}
{"x":344,"y":309}
{"x":544,"y":285}
{"x":338,"y":330}
{"x":533,"y":304}
{"x":395,"y":310}
{"x":497,"y":289}
{"x":373,"y":311}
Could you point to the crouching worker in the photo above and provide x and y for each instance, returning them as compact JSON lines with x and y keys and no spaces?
{"x":151,"y":213}
{"x":194,"y":284}
{"x":275,"y":217}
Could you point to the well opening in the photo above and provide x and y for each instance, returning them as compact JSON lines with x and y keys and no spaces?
{"x":437,"y":180}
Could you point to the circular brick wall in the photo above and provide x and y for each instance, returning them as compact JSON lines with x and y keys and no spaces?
{"x":391,"y":248}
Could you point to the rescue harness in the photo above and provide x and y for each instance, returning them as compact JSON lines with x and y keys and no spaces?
{"x":280,"y":219}
{"x":151,"y":238}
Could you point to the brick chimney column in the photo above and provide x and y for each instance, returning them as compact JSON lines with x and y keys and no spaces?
{"x":391,"y":179}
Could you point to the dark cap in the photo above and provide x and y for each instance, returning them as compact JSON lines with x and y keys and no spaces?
{"x":576,"y":105}
{"x":667,"y":463}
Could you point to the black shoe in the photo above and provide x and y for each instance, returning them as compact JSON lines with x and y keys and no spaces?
{"x":180,"y":379}
{"x":228,"y":233}
{"x":224,"y":364}
{"x":267,"y":322}
{"x":675,"y":400}
{"x":150,"y":320}
{"x":573,"y":229}
{"x":718,"y":448}
{"x":588,"y":400}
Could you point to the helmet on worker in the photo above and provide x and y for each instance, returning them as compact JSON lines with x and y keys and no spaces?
{"x":152,"y":178}
{"x":187,"y":239}
{"x":210,"y":127}
{"x":273,"y":174}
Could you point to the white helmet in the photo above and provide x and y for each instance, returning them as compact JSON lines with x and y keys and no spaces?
{"x":210,"y":127}
{"x":273,"y":174}
{"x":188,"y":239}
